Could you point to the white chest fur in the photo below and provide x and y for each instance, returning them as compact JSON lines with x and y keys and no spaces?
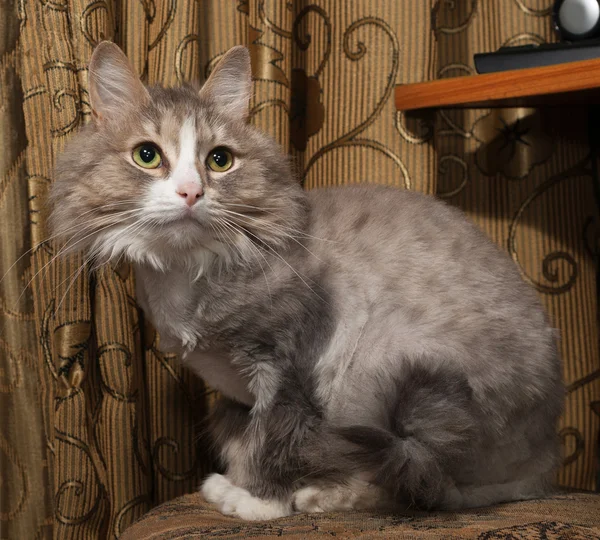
{"x":216,"y":369}
{"x":169,"y":300}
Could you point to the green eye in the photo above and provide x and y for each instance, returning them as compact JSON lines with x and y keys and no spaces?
{"x":219,"y":159}
{"x":147,"y":156}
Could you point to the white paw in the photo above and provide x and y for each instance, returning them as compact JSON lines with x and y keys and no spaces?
{"x":235,"y":501}
{"x":215,"y":488}
{"x":356,"y":494}
{"x":307,"y":500}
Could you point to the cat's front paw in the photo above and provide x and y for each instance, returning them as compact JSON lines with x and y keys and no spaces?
{"x":215,"y":488}
{"x":232,"y":500}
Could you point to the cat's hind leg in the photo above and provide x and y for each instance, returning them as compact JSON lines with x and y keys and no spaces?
{"x":411,"y":447}
{"x":486,"y":495}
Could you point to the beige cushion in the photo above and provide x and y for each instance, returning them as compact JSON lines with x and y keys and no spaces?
{"x":572,"y":516}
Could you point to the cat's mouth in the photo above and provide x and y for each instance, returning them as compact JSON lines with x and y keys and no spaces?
{"x":187,"y":220}
{"x":180,"y":215}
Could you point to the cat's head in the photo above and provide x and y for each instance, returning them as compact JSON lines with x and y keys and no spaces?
{"x":167,"y":175}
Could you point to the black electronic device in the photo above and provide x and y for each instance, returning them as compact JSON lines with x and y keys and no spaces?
{"x":529,"y":56}
{"x":577,"y":23}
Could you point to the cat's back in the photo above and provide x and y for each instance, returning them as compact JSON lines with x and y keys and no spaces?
{"x":350,"y":210}
{"x":426,"y":280}
{"x":402,"y":228}
{"x":384,"y":240}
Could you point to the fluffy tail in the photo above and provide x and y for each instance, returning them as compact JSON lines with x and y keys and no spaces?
{"x":428,"y":431}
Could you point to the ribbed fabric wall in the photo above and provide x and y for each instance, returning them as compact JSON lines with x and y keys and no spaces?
{"x":98,"y":426}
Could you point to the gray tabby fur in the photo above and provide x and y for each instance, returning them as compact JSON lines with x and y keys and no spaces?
{"x":375,"y":350}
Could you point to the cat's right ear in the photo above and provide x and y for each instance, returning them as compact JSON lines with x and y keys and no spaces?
{"x":113,"y":83}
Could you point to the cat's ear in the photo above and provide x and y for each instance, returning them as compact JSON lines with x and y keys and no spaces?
{"x":114,"y":85}
{"x":230,"y":83}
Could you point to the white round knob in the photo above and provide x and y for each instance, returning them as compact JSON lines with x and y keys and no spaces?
{"x":579,"y":16}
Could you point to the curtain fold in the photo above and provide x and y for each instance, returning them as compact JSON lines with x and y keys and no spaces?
{"x":97,"y":425}
{"x":26,"y":487}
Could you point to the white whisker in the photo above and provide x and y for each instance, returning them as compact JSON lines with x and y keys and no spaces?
{"x":77,"y":274}
{"x":301,"y":234}
{"x":65,"y":248}
{"x":223,"y":230}
{"x":274,"y":252}
{"x":273,"y":228}
{"x":61,"y":233}
{"x":225,"y":223}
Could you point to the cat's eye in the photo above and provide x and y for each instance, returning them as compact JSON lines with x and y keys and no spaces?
{"x":219,"y":159}
{"x":147,"y":156}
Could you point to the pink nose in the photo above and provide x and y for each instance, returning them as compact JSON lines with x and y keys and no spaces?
{"x":191,"y":192}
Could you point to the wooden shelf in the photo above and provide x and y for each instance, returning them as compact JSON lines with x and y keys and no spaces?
{"x":573,"y":83}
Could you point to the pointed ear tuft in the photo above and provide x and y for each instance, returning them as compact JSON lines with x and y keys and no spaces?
{"x":230,"y":83}
{"x":113,"y":83}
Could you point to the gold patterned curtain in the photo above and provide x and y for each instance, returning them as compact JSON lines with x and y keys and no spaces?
{"x":97,"y":426}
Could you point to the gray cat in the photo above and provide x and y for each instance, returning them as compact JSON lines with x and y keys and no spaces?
{"x":374,"y":349}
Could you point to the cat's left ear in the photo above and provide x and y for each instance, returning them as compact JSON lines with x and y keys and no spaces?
{"x":114,"y":85}
{"x":229,"y":85}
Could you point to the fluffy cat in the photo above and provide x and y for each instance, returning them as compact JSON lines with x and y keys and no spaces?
{"x":373,"y":348}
